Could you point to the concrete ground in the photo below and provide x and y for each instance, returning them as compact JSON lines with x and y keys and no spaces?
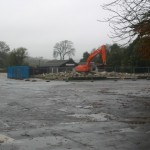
{"x":59,"y":115}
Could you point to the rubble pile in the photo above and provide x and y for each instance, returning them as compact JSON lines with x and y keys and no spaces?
{"x":55,"y":76}
{"x":107,"y":75}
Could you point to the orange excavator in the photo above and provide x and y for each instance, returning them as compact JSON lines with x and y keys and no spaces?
{"x":87,"y":67}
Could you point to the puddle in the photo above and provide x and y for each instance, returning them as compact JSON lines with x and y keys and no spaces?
{"x":63,"y":109}
{"x":84,"y":107}
{"x":70,"y":123}
{"x":124,"y":130}
{"x":93,"y":117}
{"x":137,"y":120}
{"x":3,"y":105}
{"x":42,"y":142}
{"x":3,"y":124}
{"x":79,"y":106}
{"x":88,"y":107}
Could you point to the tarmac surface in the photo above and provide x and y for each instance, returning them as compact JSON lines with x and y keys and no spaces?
{"x":59,"y":115}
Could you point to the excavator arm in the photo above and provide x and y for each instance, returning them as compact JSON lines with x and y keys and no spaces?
{"x":87,"y":66}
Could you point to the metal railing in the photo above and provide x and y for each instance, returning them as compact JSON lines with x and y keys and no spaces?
{"x":128,"y":69}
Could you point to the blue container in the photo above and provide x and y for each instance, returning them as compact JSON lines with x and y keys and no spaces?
{"x":18,"y":72}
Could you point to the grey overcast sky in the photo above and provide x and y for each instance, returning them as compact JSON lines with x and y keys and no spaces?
{"x":38,"y":24}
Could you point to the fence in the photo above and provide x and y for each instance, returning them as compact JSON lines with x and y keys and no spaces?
{"x":128,"y":69}
{"x":21,"y":72}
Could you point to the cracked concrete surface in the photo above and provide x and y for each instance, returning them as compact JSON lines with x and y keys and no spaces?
{"x":61,"y":115}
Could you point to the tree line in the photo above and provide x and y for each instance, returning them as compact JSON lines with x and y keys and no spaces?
{"x":19,"y":56}
{"x":118,"y":56}
{"x":11,"y":58}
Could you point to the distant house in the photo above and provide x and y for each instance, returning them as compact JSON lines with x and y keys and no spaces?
{"x":55,"y":66}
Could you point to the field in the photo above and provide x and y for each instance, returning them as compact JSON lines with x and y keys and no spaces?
{"x":59,"y":115}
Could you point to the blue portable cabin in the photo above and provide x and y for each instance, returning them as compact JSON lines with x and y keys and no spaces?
{"x":18,"y":72}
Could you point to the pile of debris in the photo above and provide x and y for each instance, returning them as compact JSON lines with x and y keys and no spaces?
{"x":55,"y":76}
{"x":91,"y":75}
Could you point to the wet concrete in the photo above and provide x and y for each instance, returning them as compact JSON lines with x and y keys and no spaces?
{"x":61,"y":115}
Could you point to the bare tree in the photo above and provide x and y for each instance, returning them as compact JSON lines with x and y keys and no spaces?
{"x":129,"y":19}
{"x":63,"y":48}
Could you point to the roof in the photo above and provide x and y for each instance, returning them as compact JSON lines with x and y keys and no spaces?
{"x":58,"y":63}
{"x":83,"y":63}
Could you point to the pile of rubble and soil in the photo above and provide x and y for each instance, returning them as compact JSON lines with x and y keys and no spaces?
{"x":92,"y":75}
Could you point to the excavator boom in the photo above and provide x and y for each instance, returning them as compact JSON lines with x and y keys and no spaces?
{"x":87,"y":66}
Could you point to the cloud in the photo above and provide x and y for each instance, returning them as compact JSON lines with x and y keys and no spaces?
{"x":39,"y":24}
